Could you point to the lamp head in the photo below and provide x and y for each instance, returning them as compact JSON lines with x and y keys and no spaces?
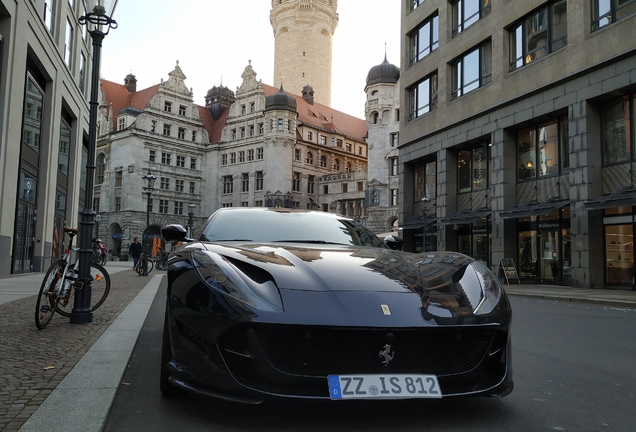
{"x":149,"y":181}
{"x":425,"y":199}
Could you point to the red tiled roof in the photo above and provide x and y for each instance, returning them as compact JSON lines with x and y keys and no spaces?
{"x":324,"y":117}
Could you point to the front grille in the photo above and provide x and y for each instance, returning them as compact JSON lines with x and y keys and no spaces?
{"x":319,"y":351}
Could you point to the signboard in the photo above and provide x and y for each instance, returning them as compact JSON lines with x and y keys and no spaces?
{"x":509,"y":269}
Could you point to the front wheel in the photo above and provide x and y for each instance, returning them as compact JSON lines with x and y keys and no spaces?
{"x":100,"y":287}
{"x":45,"y":305}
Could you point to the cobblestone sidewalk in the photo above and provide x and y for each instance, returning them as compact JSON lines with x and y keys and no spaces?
{"x":33,"y":362}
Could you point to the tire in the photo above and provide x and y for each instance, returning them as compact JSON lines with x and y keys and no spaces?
{"x":151,"y":265}
{"x":100,"y":288}
{"x":168,"y":390}
{"x":45,"y":306}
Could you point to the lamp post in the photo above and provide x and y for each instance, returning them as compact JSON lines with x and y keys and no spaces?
{"x":191,"y":208}
{"x":102,"y":22}
{"x":425,"y":200}
{"x":149,"y":185}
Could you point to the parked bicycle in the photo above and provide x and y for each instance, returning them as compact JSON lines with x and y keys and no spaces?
{"x":139,"y":268}
{"x":161,"y":260}
{"x":100,"y":252}
{"x":55,"y":292}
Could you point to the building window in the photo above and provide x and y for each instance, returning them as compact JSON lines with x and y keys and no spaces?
{"x":348,"y":167}
{"x":68,"y":45}
{"x":325,"y":189}
{"x":245,"y":204}
{"x":425,"y":39}
{"x":472,"y":169}
{"x":181,"y":133}
{"x":394,"y":139}
{"x":224,"y":159}
{"x":323,"y":140}
{"x":617,"y":129}
{"x":345,"y":187}
{"x":605,"y":12}
{"x":245,"y":182}
{"x":166,"y":158}
{"x":243,"y":109}
{"x":259,"y":180}
{"x":323,"y":161}
{"x":539,"y":149}
{"x":416,"y":3}
{"x":233,"y":157}
{"x":167,"y":106}
{"x":165,"y":183}
{"x":394,"y":197}
{"x":261,"y":129}
{"x":311,"y":184}
{"x":472,"y":70}
{"x":117,"y":204}
{"x":152,"y":156}
{"x":178,"y":207}
{"x":296,"y":182}
{"x":193,"y":163}
{"x":167,"y":129}
{"x":394,"y":166}
{"x":539,"y":34}
{"x":153,"y":126}
{"x":182,"y":112}
{"x":310,"y":135}
{"x":181,"y":161}
{"x":348,"y":147}
{"x":49,"y":13}
{"x":82,"y":73}
{"x":339,"y":143}
{"x":280,"y":124}
{"x":309,"y":160}
{"x":178,"y":185}
{"x":250,"y":155}
{"x":258,"y":203}
{"x":360,"y":186}
{"x":423,"y":96}
{"x":336,"y":164}
{"x":118,"y":178}
{"x":397,"y":115}
{"x":233,"y":134}
{"x":467,"y":13}
{"x":242,"y":132}
{"x":163,"y":206}
{"x":101,"y":168}
{"x":241,"y":156}
{"x":150,"y":203}
{"x":228,"y":185}
{"x":192,"y":187}
{"x":297,"y":155}
{"x":121,"y":123}
{"x":252,"y":107}
{"x":226,"y":205}
{"x":251,"y":130}
{"x":259,"y":153}
{"x":194,"y":136}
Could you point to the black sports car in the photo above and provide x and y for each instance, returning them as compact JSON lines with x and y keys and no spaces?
{"x":273,"y":302}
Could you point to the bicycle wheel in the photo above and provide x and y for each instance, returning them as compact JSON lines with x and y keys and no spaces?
{"x":45,"y":305}
{"x":100,"y":287}
{"x":151,"y":265}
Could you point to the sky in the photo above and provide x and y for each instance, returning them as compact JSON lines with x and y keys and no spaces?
{"x":213,"y":41}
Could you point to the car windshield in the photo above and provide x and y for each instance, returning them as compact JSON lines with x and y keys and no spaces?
{"x":280,"y":226}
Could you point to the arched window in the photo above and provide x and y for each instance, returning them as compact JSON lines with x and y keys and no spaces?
{"x":336,"y":164}
{"x":376,"y":117}
{"x":348,"y":167}
{"x":323,"y":161}
{"x":310,"y":158}
{"x":101,"y":168}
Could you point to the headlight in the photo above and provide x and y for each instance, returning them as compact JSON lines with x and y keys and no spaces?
{"x":222,"y":276}
{"x":490,"y":287}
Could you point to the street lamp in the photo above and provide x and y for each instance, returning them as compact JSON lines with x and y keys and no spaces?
{"x":102,"y":22}
{"x":191,"y":208}
{"x":424,"y":200}
{"x":149,"y":185}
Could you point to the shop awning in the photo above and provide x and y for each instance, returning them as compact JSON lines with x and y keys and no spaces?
{"x":418,"y":222}
{"x":533,"y":208}
{"x":619,"y":198}
{"x":466,"y":217}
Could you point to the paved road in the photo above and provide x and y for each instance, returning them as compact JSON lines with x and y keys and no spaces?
{"x":574,"y":370}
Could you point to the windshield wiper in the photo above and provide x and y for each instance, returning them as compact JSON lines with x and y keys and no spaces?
{"x":227,"y":240}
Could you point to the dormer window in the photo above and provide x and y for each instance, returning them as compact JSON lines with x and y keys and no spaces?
{"x":121,"y":123}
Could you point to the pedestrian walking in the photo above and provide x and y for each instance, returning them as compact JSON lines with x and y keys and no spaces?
{"x":135,"y":250}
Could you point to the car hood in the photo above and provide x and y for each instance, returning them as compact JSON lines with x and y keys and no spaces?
{"x":338,"y":268}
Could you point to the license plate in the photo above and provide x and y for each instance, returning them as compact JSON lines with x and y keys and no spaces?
{"x":397,"y":386}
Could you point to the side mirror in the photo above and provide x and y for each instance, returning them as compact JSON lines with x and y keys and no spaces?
{"x":394,"y":242}
{"x":175,"y":232}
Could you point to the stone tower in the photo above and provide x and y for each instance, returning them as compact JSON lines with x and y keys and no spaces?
{"x":303,"y":32}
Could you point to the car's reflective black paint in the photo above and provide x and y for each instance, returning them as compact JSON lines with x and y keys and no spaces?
{"x":282,"y":316}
